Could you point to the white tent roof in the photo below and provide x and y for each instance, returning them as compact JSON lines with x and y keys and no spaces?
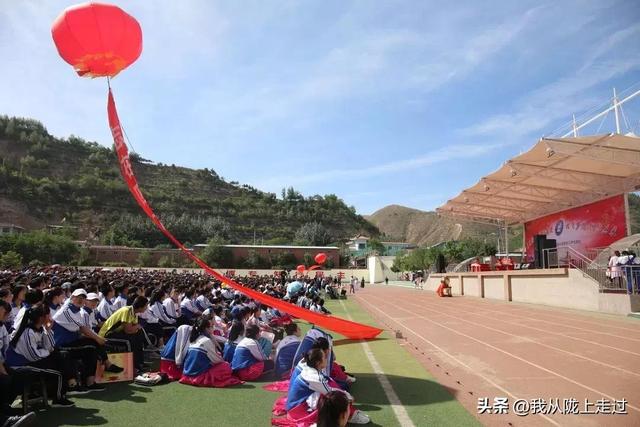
{"x":556,"y":174}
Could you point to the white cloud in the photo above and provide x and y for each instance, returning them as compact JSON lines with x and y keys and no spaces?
{"x":539,"y":109}
{"x":441,"y":155}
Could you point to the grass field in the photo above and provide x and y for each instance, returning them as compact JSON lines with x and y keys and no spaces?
{"x":426,"y":402}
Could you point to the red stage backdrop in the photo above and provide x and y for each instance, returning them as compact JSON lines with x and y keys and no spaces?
{"x":591,"y":226}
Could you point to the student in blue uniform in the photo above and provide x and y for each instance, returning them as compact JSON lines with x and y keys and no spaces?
{"x":78,"y":340}
{"x":286,"y":351}
{"x":54,"y":299}
{"x":236,"y":334}
{"x":10,"y":384}
{"x":332,"y":370}
{"x":189,"y":311}
{"x":19,"y":292}
{"x":31,"y":297}
{"x":174,"y":352}
{"x":122,"y":292}
{"x":309,"y":386}
{"x":105,"y":307}
{"x":203,"y":365}
{"x":249,"y":360}
{"x":32,"y":349}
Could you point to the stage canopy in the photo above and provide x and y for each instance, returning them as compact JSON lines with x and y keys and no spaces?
{"x":556,"y":174}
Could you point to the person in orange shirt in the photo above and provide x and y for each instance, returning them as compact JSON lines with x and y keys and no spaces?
{"x":444,"y":290}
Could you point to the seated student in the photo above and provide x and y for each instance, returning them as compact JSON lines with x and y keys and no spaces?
{"x":31,"y":349}
{"x":19,"y":292}
{"x":333,"y":410}
{"x":305,"y":391}
{"x":189,"y":311}
{"x":444,"y":290}
{"x":80,"y":342}
{"x":249,"y":361}
{"x":202,"y":301}
{"x":150,"y":323}
{"x":172,"y":306}
{"x":53,"y":299}
{"x":156,"y":305}
{"x":174,"y":352}
{"x":106,"y":307}
{"x":10,"y":385}
{"x":219,"y":328}
{"x":322,"y":308}
{"x":286,"y":351}
{"x":31,"y":297}
{"x":216,"y":313}
{"x":123,"y":325}
{"x":122,"y":292}
{"x":90,"y":321}
{"x":203,"y":365}
{"x":333,"y":370}
{"x":236,"y":334}
{"x":255,"y":318}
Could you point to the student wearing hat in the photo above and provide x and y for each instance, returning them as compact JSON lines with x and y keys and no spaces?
{"x":71,"y":333}
{"x":88,"y":312}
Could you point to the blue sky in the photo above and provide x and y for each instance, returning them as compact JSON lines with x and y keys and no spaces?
{"x":379,"y":102}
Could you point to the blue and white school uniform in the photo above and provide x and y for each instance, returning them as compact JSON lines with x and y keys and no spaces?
{"x":53,"y":309}
{"x":89,"y":317}
{"x":285,"y":353}
{"x":188,"y":309}
{"x":17,"y":319}
{"x":66,"y":326}
{"x":32,"y":346}
{"x":171,"y":308}
{"x":205,"y":367}
{"x":119,"y":302}
{"x":160,"y":312}
{"x":33,"y":352}
{"x":248,"y":352}
{"x":230,"y":349}
{"x":11,"y":317}
{"x":104,"y":309}
{"x":309,"y":339}
{"x":202,"y":303}
{"x":4,"y":342}
{"x":174,"y":352}
{"x":307,"y":387}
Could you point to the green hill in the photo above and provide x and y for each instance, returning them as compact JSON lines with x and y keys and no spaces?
{"x":46,"y":180}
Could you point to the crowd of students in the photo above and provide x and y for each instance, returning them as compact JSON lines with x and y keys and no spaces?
{"x":59,"y":324}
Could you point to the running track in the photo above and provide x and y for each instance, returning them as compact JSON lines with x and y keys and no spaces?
{"x":483,"y":348}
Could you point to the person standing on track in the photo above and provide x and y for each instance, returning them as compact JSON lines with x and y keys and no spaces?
{"x":352,"y":285}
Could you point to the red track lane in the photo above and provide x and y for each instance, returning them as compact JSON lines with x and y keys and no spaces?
{"x":480,"y":348}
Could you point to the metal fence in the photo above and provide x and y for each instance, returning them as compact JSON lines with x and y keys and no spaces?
{"x":569,"y":257}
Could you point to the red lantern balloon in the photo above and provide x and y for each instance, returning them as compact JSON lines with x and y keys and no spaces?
{"x":300,"y":268}
{"x":321,"y":258}
{"x":97,"y":39}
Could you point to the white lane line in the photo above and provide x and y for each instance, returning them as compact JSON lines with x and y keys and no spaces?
{"x":452,"y":357}
{"x":429,"y":307}
{"x":535,"y":365}
{"x":401,"y":413}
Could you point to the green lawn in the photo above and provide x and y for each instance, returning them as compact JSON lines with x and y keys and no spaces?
{"x":426,"y":402}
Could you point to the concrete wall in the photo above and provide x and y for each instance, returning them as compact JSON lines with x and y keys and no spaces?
{"x":558,"y":287}
{"x":494,"y":287}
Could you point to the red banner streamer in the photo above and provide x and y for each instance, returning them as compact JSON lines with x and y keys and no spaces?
{"x":344,"y":327}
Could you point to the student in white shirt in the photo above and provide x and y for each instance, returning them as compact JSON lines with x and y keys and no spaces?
{"x":105,"y":307}
{"x":31,"y":349}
